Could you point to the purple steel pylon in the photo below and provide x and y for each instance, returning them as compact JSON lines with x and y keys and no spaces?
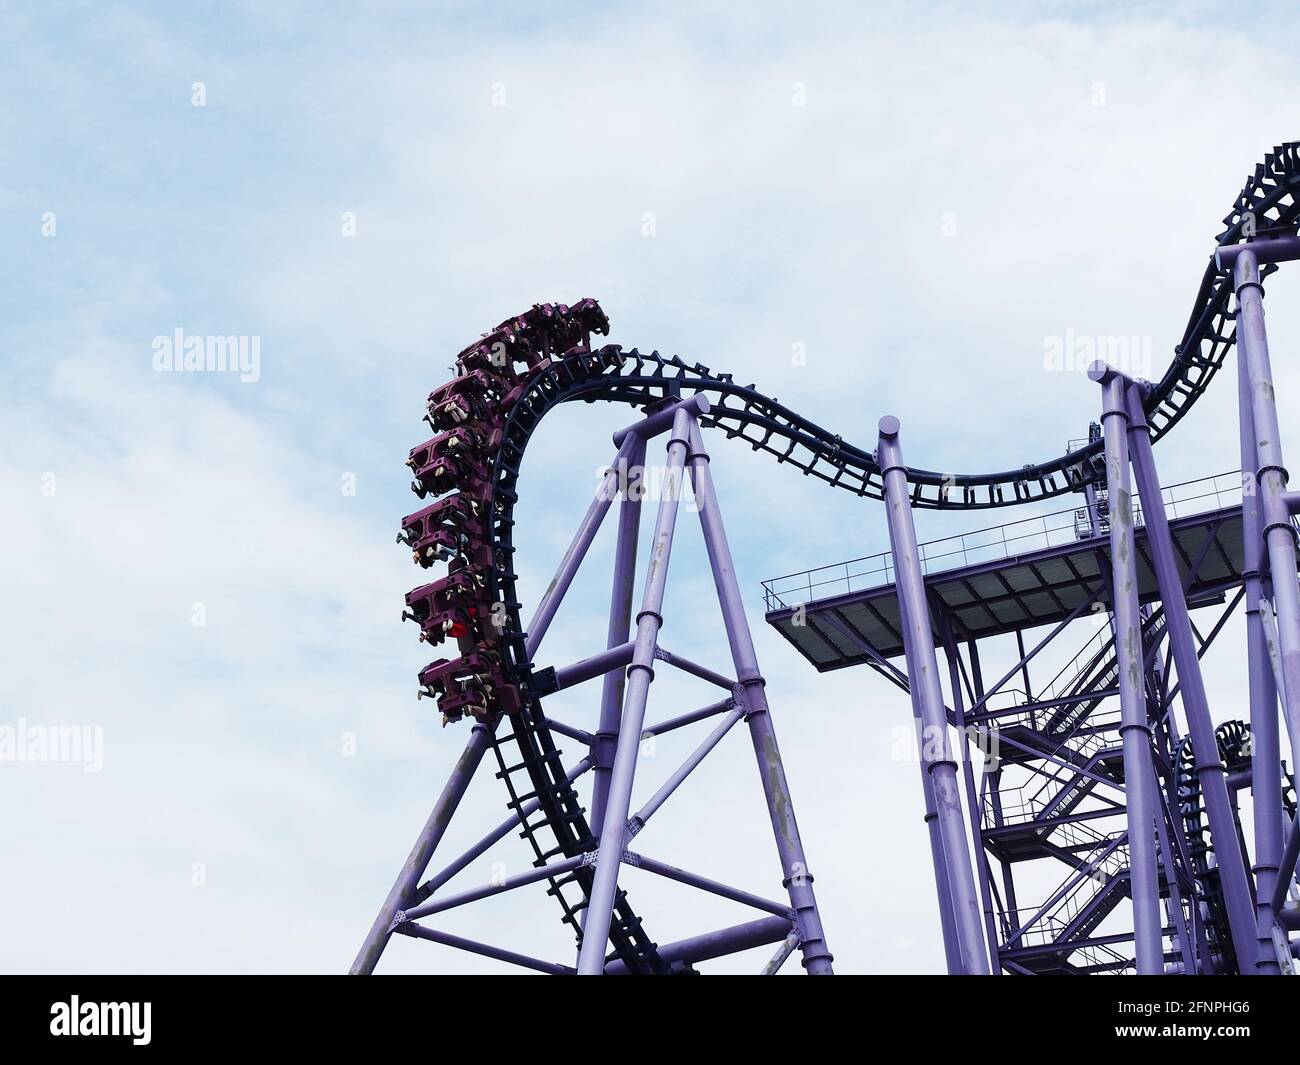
{"x":1135,"y":731}
{"x":596,"y":867}
{"x":928,"y":705}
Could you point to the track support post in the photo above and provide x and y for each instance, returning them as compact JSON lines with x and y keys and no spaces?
{"x":1271,"y":474}
{"x":1266,"y":779}
{"x":927,"y":702}
{"x":618,"y":797}
{"x":1135,"y":726}
{"x":798,"y":879}
{"x":620,"y":623}
{"x":1211,"y":773}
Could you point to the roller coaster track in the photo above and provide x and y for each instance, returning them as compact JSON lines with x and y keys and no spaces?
{"x":511,"y":378}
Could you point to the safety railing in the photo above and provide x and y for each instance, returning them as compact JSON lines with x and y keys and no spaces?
{"x":1030,"y":801}
{"x":985,"y":545}
{"x":1105,"y":857}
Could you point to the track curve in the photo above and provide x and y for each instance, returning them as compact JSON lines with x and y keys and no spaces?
{"x":511,"y":378}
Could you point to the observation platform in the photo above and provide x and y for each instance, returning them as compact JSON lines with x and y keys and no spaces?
{"x":997,"y":580}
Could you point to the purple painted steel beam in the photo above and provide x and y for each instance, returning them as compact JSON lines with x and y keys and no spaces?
{"x":1279,"y":534}
{"x":1286,"y":866}
{"x":577,"y":550}
{"x":1210,"y":770}
{"x":816,"y":955}
{"x":890,"y":671}
{"x":1265,"y":761}
{"x":597,"y":665}
{"x":510,"y":883}
{"x":947,"y":922}
{"x":620,"y":625}
{"x":788,"y":946}
{"x":600,"y":906}
{"x":717,"y":944}
{"x":664,"y":419}
{"x":435,"y":827}
{"x":953,"y":655}
{"x":525,"y":811}
{"x":1135,"y":728}
{"x":551,"y":968}
{"x":703,"y":713}
{"x":927,"y":701}
{"x":713,"y":887}
{"x":695,"y":669}
{"x":1263,"y":250}
{"x":698,"y":755}
{"x":572,"y":731}
{"x":943,"y":890}
{"x":1174,"y":904}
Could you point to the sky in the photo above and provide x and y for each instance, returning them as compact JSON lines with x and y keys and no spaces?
{"x":864,"y":209}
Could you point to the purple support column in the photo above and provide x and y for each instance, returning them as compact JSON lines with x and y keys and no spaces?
{"x":798,"y":880}
{"x":953,"y":655}
{"x":1279,"y":534}
{"x":577,"y":551}
{"x":1210,"y":771}
{"x":1265,"y":762}
{"x":947,"y":922}
{"x":430,"y":836}
{"x":620,"y":624}
{"x":927,"y":700}
{"x":1135,"y":730}
{"x":600,"y":906}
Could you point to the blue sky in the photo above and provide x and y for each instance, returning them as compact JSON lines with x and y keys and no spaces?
{"x":954,"y":189}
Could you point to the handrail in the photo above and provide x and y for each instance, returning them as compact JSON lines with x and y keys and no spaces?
{"x":1046,"y":530}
